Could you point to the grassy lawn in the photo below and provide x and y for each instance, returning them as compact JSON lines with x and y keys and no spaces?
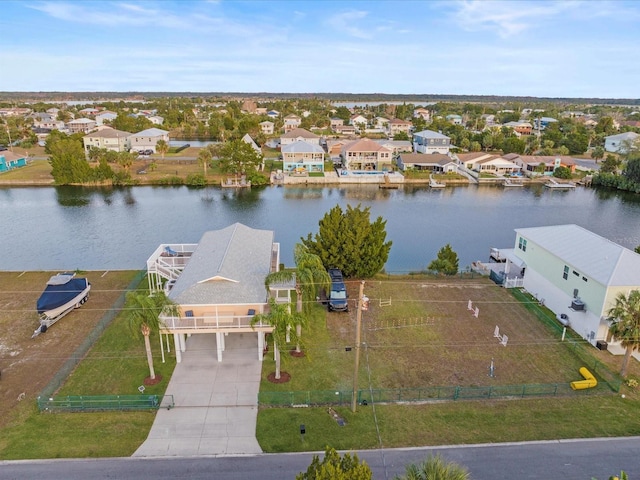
{"x":34,"y":171}
{"x":115,"y":365}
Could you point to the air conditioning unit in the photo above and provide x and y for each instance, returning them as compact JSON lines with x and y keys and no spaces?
{"x":577,"y":305}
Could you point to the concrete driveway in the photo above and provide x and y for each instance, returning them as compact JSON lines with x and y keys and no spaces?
{"x":216,"y":404}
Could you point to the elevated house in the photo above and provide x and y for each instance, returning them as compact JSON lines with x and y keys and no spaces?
{"x":303,"y":157}
{"x":266,"y":127}
{"x":218,"y":285}
{"x":365,"y":154}
{"x":436,"y":163}
{"x":81,"y":125}
{"x":291,"y":122}
{"x":109,"y":139}
{"x":422,"y":113}
{"x":577,"y":274}
{"x":335,"y":122}
{"x":396,"y":125}
{"x":428,"y":141}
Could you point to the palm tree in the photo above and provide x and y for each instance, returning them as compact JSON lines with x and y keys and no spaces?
{"x":434,"y":468}
{"x":625,"y":324}
{"x":204,"y":159}
{"x":162,"y":147}
{"x":310,"y":276}
{"x":143,"y":313}
{"x":281,"y":319}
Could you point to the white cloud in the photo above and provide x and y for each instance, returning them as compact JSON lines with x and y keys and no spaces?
{"x":347,"y":22}
{"x":506,"y":18}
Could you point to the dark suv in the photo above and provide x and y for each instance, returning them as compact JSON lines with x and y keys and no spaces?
{"x":338,"y":294}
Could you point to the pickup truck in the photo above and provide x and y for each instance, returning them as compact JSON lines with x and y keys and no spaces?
{"x":338,"y":294}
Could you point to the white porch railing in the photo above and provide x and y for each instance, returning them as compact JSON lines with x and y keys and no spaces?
{"x":209,"y":322}
{"x":514,"y":282}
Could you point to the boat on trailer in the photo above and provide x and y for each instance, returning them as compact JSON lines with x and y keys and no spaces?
{"x":63,"y":293}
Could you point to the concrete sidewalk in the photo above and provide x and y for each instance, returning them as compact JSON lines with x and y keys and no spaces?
{"x":216,"y":404}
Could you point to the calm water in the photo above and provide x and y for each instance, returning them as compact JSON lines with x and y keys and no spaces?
{"x":68,"y":228}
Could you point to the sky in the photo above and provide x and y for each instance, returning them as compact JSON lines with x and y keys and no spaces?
{"x":468,"y":47}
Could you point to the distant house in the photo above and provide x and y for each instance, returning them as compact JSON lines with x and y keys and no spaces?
{"x":273,"y":113}
{"x":429,"y":141}
{"x":345,"y":129}
{"x":395,"y":126}
{"x":437,"y":162}
{"x":397,"y":146}
{"x":89,"y":111}
{"x":335,"y":122}
{"x":47,"y":121}
{"x":291,"y":122}
{"x":266,"y":127}
{"x":422,"y":113}
{"x":81,"y":125}
{"x":148,"y":139}
{"x":496,"y":165}
{"x":365,"y":154}
{"x":521,"y":128}
{"x":334,"y":147}
{"x":302,"y":157}
{"x":156,"y":119}
{"x":109,"y":139}
{"x":299,"y":134}
{"x":105,"y":115}
{"x":380,"y":123}
{"x":10,"y":160}
{"x":260,"y":111}
{"x":455,"y":119}
{"x":619,"y":143}
{"x":358,"y":121}
{"x":578,"y":274}
{"x":543,"y":122}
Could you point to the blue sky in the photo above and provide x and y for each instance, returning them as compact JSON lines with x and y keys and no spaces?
{"x":538,"y":48}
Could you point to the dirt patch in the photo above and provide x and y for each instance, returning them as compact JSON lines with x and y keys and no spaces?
{"x":284,"y":377}
{"x":152,"y":381}
{"x":27,"y":365}
{"x":293,"y":353}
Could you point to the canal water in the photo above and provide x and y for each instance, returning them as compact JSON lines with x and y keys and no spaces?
{"x":67,"y":228}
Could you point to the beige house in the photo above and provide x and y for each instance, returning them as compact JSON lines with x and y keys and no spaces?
{"x":365,"y":154}
{"x":396,"y":125}
{"x":218,"y":285}
{"x":81,"y":125}
{"x":291,"y":122}
{"x":109,"y":139}
{"x":148,"y":139}
{"x":266,"y":127}
{"x":299,"y":135}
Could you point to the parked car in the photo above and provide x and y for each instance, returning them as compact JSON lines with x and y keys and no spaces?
{"x":2,"y":148}
{"x":338,"y":293}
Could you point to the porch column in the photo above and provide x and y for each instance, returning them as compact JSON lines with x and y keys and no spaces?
{"x":183,"y":342}
{"x":176,"y":341}
{"x":260,"y":346}
{"x":219,"y":343}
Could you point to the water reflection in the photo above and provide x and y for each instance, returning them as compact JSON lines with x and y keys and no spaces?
{"x":302,"y":193}
{"x":73,"y":196}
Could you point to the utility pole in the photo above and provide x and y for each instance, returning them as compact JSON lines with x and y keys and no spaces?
{"x":354,"y":400}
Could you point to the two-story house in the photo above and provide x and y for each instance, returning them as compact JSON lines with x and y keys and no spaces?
{"x":109,"y":139}
{"x":365,"y":154}
{"x":299,"y":134}
{"x":266,"y":127}
{"x":81,"y":125}
{"x":291,"y":122}
{"x":148,"y":139}
{"x":429,"y":141}
{"x":302,"y":157}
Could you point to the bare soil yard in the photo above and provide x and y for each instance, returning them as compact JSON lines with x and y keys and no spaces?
{"x":27,"y":365}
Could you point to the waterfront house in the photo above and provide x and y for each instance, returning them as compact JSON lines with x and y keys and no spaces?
{"x":429,"y":141}
{"x":396,"y":146}
{"x":534,"y":165}
{"x":488,"y":163}
{"x":577,"y":274}
{"x":302,"y":157}
{"x":109,"y":139}
{"x":299,"y":134}
{"x":334,"y":147}
{"x":218,"y":285}
{"x":266,"y":127}
{"x":10,"y":160}
{"x":365,"y":154}
{"x":621,"y":142}
{"x":435,"y":162}
{"x":148,"y":139}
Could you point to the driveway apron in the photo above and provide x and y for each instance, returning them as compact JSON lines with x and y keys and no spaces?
{"x":216,"y":404}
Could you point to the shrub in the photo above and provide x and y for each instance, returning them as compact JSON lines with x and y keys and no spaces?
{"x":196,"y":180}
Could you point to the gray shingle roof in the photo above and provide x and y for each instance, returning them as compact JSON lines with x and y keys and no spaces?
{"x":228,"y":267}
{"x":302,"y":147}
{"x":603,"y":260}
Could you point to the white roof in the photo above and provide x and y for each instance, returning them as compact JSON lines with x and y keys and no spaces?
{"x":151,"y":132}
{"x":623,"y":136}
{"x":603,"y":260}
{"x":228,"y":267}
{"x":429,"y":134}
{"x":302,"y":147}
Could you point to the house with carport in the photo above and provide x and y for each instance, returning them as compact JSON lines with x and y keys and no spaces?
{"x":218,"y":285}
{"x":577,"y":274}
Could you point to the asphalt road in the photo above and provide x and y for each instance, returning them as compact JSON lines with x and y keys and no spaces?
{"x":566,"y":460}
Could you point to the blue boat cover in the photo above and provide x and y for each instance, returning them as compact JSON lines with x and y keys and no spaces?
{"x":55,"y":296}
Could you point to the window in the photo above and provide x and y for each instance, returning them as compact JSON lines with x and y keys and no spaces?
{"x":522,"y":244}
{"x":576,"y":273}
{"x":565,"y":274}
